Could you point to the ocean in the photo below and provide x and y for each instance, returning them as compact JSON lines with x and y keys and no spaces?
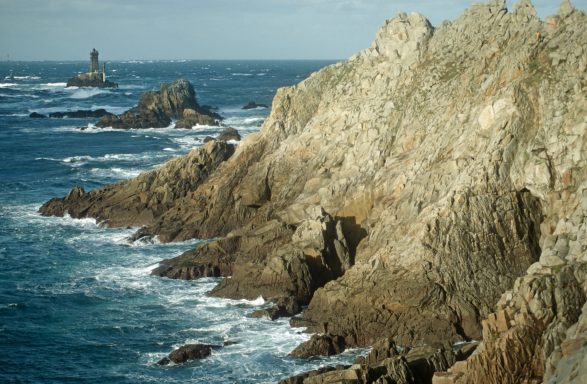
{"x":77,"y":303}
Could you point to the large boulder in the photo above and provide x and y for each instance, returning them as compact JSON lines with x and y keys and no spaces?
{"x":156,"y":109}
{"x":320,"y":345}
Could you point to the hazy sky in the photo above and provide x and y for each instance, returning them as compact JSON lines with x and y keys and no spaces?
{"x":207,"y":29}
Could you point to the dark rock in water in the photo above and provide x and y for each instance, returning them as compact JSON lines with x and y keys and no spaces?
{"x":142,"y":234}
{"x":253,"y":105}
{"x":156,"y":109}
{"x":226,"y":135}
{"x":187,"y":352}
{"x":192,"y":118}
{"x":229,"y":134}
{"x":90,"y":80}
{"x":229,"y":343}
{"x":36,"y":115}
{"x":320,"y":345}
{"x":284,"y":307}
{"x":80,"y":114}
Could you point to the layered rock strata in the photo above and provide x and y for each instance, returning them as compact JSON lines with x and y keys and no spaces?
{"x":384,"y":364}
{"x":157,"y":109}
{"x":140,"y":201}
{"x":402,"y":192}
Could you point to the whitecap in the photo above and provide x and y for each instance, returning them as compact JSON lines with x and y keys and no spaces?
{"x":169,"y":149}
{"x":241,"y":74}
{"x":87,"y":93}
{"x":115,"y":172}
{"x":6,"y":85}
{"x":56,"y":85}
{"x":24,"y":77}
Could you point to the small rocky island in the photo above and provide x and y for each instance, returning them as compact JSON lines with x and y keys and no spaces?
{"x":94,"y":78}
{"x":157,"y":109}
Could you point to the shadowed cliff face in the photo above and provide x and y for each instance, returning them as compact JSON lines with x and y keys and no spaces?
{"x":403,"y":191}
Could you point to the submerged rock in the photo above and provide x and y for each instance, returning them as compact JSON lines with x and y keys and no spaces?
{"x":37,"y":115}
{"x":156,"y":109}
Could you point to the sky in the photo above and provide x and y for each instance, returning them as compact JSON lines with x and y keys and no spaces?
{"x":208,"y":29}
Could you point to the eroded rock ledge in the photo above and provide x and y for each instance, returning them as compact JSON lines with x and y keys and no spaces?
{"x":401,"y":193}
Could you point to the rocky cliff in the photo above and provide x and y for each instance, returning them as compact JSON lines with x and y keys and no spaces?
{"x":401,"y":193}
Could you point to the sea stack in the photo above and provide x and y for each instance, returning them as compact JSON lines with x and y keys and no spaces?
{"x":93,"y":78}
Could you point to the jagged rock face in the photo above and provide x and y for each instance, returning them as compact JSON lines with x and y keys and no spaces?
{"x":141,"y":200}
{"x":450,"y":159}
{"x":156,"y":109}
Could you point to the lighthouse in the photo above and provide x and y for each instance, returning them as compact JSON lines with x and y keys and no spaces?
{"x":93,"y":78}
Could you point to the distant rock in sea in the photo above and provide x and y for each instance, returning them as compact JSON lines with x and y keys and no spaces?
{"x":156,"y":109}
{"x":93,"y":78}
{"x":37,"y":115}
{"x":188,"y":352}
{"x":253,"y":105}
{"x":81,"y":114}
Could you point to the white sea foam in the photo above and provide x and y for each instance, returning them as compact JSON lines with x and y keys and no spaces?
{"x":62,"y":85}
{"x":6,"y":85}
{"x":87,"y":93}
{"x":116,"y":172}
{"x":23,"y":77}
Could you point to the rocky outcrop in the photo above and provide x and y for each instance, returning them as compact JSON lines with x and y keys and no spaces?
{"x":81,"y":114}
{"x":253,"y":105}
{"x":226,"y":134}
{"x":319,"y":345}
{"x":140,"y":201}
{"x":94,"y":80}
{"x":384,"y":364}
{"x":37,"y":115}
{"x":402,"y":192}
{"x":186,"y":353}
{"x":156,"y":109}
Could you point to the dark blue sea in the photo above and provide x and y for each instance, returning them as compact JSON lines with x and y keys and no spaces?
{"x":77,"y":303}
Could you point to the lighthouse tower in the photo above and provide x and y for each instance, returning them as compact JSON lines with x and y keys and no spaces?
{"x":94,"y":66}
